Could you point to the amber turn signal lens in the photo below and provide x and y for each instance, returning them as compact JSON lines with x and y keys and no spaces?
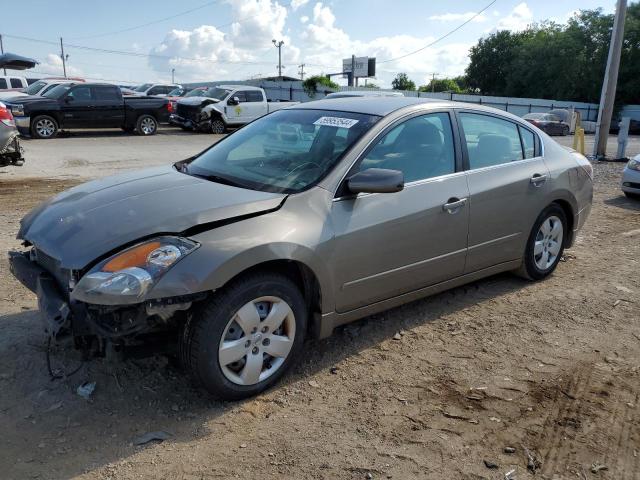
{"x":136,"y":257}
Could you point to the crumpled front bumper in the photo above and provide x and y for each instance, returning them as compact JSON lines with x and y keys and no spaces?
{"x":179,"y":121}
{"x":54,"y":309}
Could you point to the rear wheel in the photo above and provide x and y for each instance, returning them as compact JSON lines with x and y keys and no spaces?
{"x":44,"y":126}
{"x":217,"y":126}
{"x":545,"y":244}
{"x":247,"y":336}
{"x":146,"y":125}
{"x":565,"y":131}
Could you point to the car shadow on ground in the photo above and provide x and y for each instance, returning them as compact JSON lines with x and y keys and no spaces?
{"x":109,"y":133}
{"x":624,"y":202}
{"x":49,"y":424}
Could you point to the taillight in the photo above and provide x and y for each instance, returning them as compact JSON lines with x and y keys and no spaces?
{"x":170,"y":107}
{"x":5,"y":116}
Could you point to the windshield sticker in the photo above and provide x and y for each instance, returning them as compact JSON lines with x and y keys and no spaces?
{"x":335,"y":122}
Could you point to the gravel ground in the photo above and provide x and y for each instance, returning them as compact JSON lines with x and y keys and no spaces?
{"x":550,"y":369}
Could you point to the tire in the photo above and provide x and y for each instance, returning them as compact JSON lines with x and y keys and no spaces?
{"x":146,"y":125}
{"x":565,"y":131}
{"x":218,"y":126}
{"x":633,"y":196}
{"x":544,"y":244}
{"x":267,"y":301}
{"x":44,"y":127}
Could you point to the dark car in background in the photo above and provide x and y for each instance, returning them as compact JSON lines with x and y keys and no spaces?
{"x":10,"y":150}
{"x":87,"y":105}
{"x":549,"y":123}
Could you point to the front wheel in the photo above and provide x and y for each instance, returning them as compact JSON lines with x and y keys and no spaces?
{"x":44,"y":126}
{"x":545,"y":244}
{"x":217,"y":126}
{"x":146,"y":125}
{"x":247,"y":336}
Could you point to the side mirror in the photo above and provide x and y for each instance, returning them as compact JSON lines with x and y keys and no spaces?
{"x":234,"y":101}
{"x":376,"y":180}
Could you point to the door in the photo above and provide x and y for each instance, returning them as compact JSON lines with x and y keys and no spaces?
{"x":78,"y":108}
{"x":108,"y":106}
{"x":237,"y":113}
{"x":387,"y":244}
{"x":255,"y":106}
{"x":507,"y":185}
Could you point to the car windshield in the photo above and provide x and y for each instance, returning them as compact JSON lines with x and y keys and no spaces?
{"x":142,"y":88}
{"x":286,"y":152}
{"x":213,"y":92}
{"x":176,"y":92}
{"x":34,"y":88}
{"x":58,"y":91}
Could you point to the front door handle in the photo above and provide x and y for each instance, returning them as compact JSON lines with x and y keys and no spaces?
{"x":538,"y":179}
{"x":454,"y":204}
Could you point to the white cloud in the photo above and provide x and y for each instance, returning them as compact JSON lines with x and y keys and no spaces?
{"x":206,"y":53}
{"x":459,"y":17}
{"x":519,"y":18}
{"x":304,"y":19}
{"x":296,"y":4}
{"x":53,"y":65}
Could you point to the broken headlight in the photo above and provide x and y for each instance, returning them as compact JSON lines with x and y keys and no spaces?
{"x":128,"y":276}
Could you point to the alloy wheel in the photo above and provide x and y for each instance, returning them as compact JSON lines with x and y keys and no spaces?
{"x":257,"y":340}
{"x":148,"y":126}
{"x":548,"y":243}
{"x":45,"y":127}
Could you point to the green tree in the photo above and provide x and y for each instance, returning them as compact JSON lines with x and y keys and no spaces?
{"x":311,"y":85}
{"x":402,"y":82}
{"x":441,"y":85}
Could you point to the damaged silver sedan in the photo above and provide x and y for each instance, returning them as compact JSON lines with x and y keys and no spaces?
{"x":304,"y":220}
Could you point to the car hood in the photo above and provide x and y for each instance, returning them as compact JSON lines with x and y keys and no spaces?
{"x":197,"y":100}
{"x":28,"y":99}
{"x":10,"y":95}
{"x":91,"y":220}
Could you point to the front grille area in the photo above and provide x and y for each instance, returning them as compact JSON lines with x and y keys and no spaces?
{"x":52,"y":266}
{"x":190,"y":112}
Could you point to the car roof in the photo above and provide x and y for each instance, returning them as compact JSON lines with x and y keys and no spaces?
{"x":371,"y":105}
{"x":233,"y":87}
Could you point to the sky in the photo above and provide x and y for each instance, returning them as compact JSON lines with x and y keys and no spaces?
{"x":232,"y":39}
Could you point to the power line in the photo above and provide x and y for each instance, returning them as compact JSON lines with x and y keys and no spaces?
{"x":439,"y":38}
{"x":115,"y":32}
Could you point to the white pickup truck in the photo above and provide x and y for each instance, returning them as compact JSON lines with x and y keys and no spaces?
{"x":222,"y":107}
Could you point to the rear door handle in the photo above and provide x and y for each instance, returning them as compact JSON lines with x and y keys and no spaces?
{"x":538,"y":179}
{"x":454,"y":204}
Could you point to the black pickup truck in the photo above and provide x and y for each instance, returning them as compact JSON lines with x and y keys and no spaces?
{"x":87,"y":105}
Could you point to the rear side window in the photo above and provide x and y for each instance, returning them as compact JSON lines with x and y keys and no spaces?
{"x":105,"y":93}
{"x":254,"y":96}
{"x":528,"y":142}
{"x":3,"y":83}
{"x":490,"y":140}
{"x":16,"y":83}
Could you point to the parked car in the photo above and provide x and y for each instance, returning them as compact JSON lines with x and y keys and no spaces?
{"x":181,"y":92}
{"x":631,"y":178}
{"x":363,"y":93}
{"x":549,"y":123}
{"x":222,"y":107}
{"x":154,"y":89}
{"x":39,"y":87}
{"x":10,"y":150}
{"x":12,"y":82}
{"x":86,"y":105}
{"x":231,"y":257}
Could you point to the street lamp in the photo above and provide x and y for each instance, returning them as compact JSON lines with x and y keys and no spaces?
{"x":278,"y":45}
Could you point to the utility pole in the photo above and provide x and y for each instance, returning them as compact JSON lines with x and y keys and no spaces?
{"x":2,"y":52}
{"x":279,"y":47}
{"x":301,"y":71}
{"x":433,"y":82}
{"x":608,"y":95}
{"x":353,"y":71}
{"x":173,"y":75}
{"x":64,"y":59}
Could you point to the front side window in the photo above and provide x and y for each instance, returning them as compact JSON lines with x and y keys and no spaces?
{"x":58,"y":91}
{"x":241,"y":96}
{"x":16,"y":83}
{"x":285,"y":152}
{"x":490,"y":140}
{"x":81,"y":94}
{"x":254,"y":96}
{"x":421,"y":148}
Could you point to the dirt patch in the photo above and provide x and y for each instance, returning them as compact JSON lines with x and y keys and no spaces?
{"x":550,"y":369}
